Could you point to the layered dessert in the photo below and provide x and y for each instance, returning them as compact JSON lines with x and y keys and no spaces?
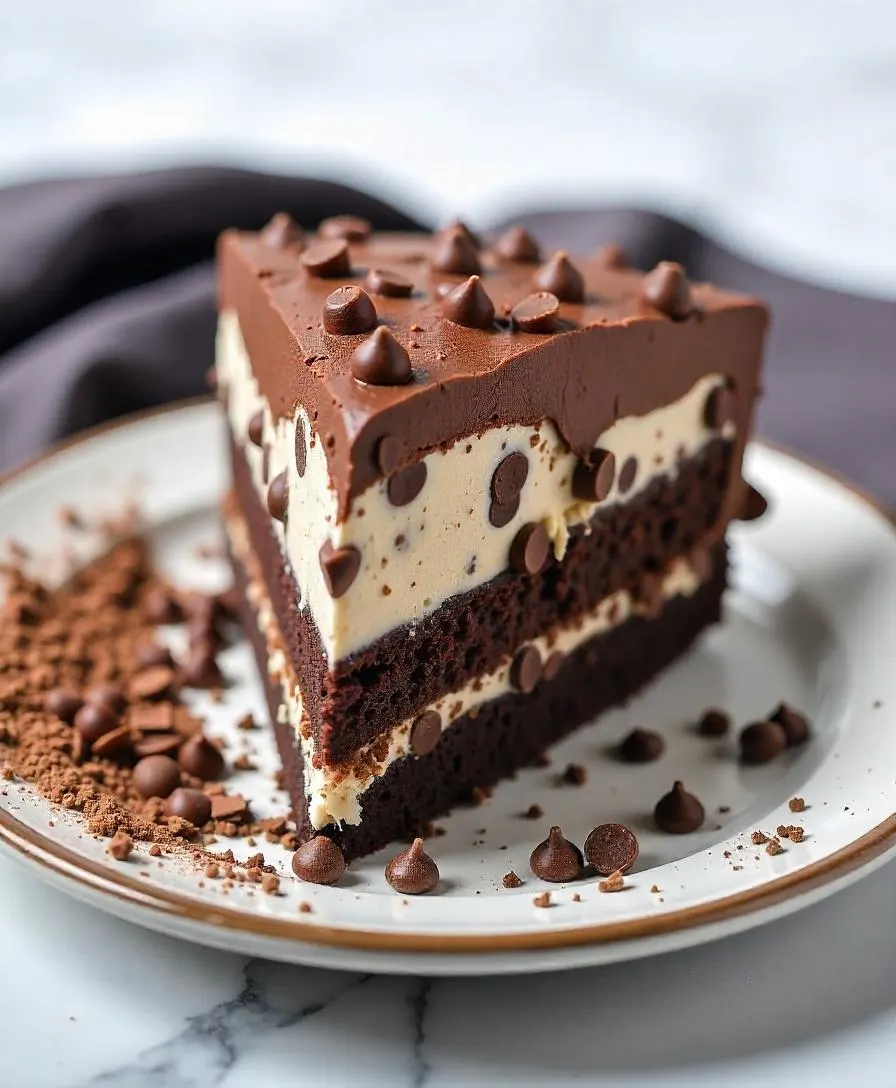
{"x":480,"y":494}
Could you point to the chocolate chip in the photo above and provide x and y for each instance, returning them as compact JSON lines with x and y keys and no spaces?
{"x":473,"y":238}
{"x":413,"y":872}
{"x":592,"y":480}
{"x":157,"y":744}
{"x":511,"y":880}
{"x":501,"y":514}
{"x":553,"y":665}
{"x":469,"y":305}
{"x":381,"y":360}
{"x":318,"y":861}
{"x":278,"y":496}
{"x":156,"y":776}
{"x":426,"y":732}
{"x":795,"y":726}
{"x":509,"y":477}
{"x":350,"y":227}
{"x":349,"y":311}
{"x":537,"y":313}
{"x":230,"y":807}
{"x":189,"y":804}
{"x":627,"y":474}
{"x":666,"y":289}
{"x":517,"y":244}
{"x":201,"y":758}
{"x":301,"y":447}
{"x":201,"y":670}
{"x":380,"y":281}
{"x":255,"y":429}
{"x":328,"y":259}
{"x":388,"y":451}
{"x":340,"y":567}
{"x":611,"y":848}
{"x":93,"y":720}
{"x":64,"y":703}
{"x":157,"y":717}
{"x":152,"y":683}
{"x":525,"y":669}
{"x":455,"y":254}
{"x":107,"y":694}
{"x":556,"y":859}
{"x":560,"y":277}
{"x":753,"y":504}
{"x":713,"y":723}
{"x":612,"y":255}
{"x":530,"y":547}
{"x":641,"y":746}
{"x":719,"y":407}
{"x":760,"y":742}
{"x":148,"y":654}
{"x":406,"y":484}
{"x":678,"y":812}
{"x":282,"y":232}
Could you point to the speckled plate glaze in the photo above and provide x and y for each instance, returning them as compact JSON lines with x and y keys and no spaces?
{"x":810,"y":618}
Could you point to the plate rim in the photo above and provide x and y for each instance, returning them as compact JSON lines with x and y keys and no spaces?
{"x":53,"y":859}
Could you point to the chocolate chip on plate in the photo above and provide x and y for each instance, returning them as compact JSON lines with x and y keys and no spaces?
{"x":678,"y":812}
{"x":611,"y":848}
{"x":761,"y":741}
{"x":156,"y":776}
{"x":201,"y":758}
{"x":189,"y":804}
{"x":641,"y":746}
{"x":413,"y":871}
{"x":556,"y":859}
{"x":795,"y":725}
{"x":318,"y":861}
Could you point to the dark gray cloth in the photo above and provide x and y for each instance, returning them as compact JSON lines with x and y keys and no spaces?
{"x":107,"y":306}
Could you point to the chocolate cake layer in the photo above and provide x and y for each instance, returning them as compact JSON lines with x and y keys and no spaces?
{"x":506,"y":734}
{"x":368,"y":693}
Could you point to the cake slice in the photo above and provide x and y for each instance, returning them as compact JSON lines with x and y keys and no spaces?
{"x":480,"y":494}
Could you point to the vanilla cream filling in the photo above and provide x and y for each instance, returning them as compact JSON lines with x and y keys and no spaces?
{"x":415,"y":557}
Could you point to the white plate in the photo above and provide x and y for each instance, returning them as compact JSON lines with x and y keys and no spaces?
{"x":810,"y":619}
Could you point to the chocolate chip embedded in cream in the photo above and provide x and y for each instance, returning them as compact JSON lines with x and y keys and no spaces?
{"x":517,"y":244}
{"x":537,"y":313}
{"x":719,"y":407}
{"x":627,"y":474}
{"x":469,"y":305}
{"x":509,"y":477}
{"x":406,"y":484}
{"x":301,"y":447}
{"x":553,"y":665}
{"x":387,"y":453}
{"x":255,"y":429}
{"x":381,"y":281}
{"x":350,"y":227}
{"x":318,"y":861}
{"x":201,"y":758}
{"x":189,"y":804}
{"x":282,"y":232}
{"x":795,"y":725}
{"x":678,"y":812}
{"x":381,"y":360}
{"x":556,"y":859}
{"x":340,"y":567}
{"x":525,"y":669}
{"x":502,"y":513}
{"x":641,"y":746}
{"x":666,"y":289}
{"x":156,"y":776}
{"x":64,"y":703}
{"x":455,"y":254}
{"x":560,"y":277}
{"x":278,"y":497}
{"x":611,"y":848}
{"x":92,"y":720}
{"x":349,"y":311}
{"x":530,"y":547}
{"x":592,"y":480}
{"x":425,"y":732}
{"x":328,"y":259}
{"x":761,"y":742}
{"x":413,"y":871}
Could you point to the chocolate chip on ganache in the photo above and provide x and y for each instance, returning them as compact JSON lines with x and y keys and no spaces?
{"x":381,"y":281}
{"x":641,"y":746}
{"x":156,"y":776}
{"x":301,"y":447}
{"x":381,"y":360}
{"x":553,"y":665}
{"x":350,"y":227}
{"x":189,"y":804}
{"x":537,"y":313}
{"x":719,"y":407}
{"x":455,"y":254}
{"x":199,"y":757}
{"x":255,"y":429}
{"x":328,"y":259}
{"x":666,"y":289}
{"x":278,"y":496}
{"x":592,"y":480}
{"x":795,"y":725}
{"x":413,"y":872}
{"x":349,"y":311}
{"x":761,"y":742}
{"x":282,"y":232}
{"x":405,"y":485}
{"x":318,"y":861}
{"x":468,"y":304}
{"x":556,"y":859}
{"x":425,"y":732}
{"x":530,"y":547}
{"x":517,"y":244}
{"x":753,"y":504}
{"x":611,"y":848}
{"x":471,"y":236}
{"x":560,"y":277}
{"x":509,"y":477}
{"x":340,"y":567}
{"x":678,"y":812}
{"x":525,"y":669}
{"x":627,"y":474}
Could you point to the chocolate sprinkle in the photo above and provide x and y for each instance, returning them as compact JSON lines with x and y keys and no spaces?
{"x":525,"y":669}
{"x":189,"y":804}
{"x":592,"y":482}
{"x":666,"y":290}
{"x":678,"y":812}
{"x":556,"y":859}
{"x":255,"y":429}
{"x":611,"y":848}
{"x":641,"y":746}
{"x":406,"y":484}
{"x":413,"y":872}
{"x":301,"y":449}
{"x":340,"y":567}
{"x":627,"y":474}
{"x":560,"y":277}
{"x":530,"y":547}
{"x":455,"y":254}
{"x":278,"y":496}
{"x":537,"y":313}
{"x":381,"y":360}
{"x":553,"y":665}
{"x":795,"y":726}
{"x":318,"y":861}
{"x":426,"y":732}
{"x":469,"y":305}
{"x":328,"y":259}
{"x":349,"y":311}
{"x":380,"y":281}
{"x":760,"y":742}
{"x":517,"y":244}
{"x":509,"y":477}
{"x":282,"y":232}
{"x":156,"y":776}
{"x":350,"y":227}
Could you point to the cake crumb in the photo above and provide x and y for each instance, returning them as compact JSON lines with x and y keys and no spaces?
{"x":542,"y":900}
{"x":211,"y":870}
{"x":654,"y":890}
{"x":270,"y":884}
{"x":511,"y":880}
{"x":121,"y":846}
{"x":774,"y":847}
{"x":533,"y":812}
{"x":574,"y":775}
{"x":758,"y":838}
{"x":615,"y":882}
{"x":305,"y":907}
{"x":796,"y":804}
{"x":576,"y":898}
{"x":781,"y":831}
{"x":155,"y":851}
